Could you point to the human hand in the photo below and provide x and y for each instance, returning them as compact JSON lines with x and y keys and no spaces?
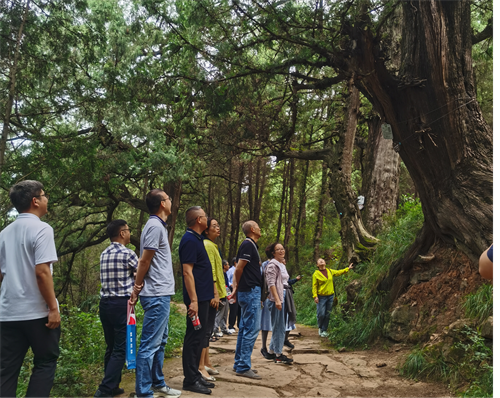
{"x":299,"y":277}
{"x":316,"y":300}
{"x":351,"y":266}
{"x":214,"y":303}
{"x":133,"y":299}
{"x":278,"y":305}
{"x":193,"y":309}
{"x":54,"y":319}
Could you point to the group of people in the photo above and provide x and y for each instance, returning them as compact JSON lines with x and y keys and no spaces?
{"x":261,"y":297}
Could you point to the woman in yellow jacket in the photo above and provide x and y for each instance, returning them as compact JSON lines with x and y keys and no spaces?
{"x":323,"y":293}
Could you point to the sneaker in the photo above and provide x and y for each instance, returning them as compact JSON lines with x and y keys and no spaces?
{"x":324,"y":334}
{"x":319,"y":332}
{"x":231,"y":331}
{"x":253,"y":370}
{"x":166,"y":391}
{"x":227,"y":332}
{"x":218,"y":334}
{"x":266,"y":354}
{"x":283,"y":359}
{"x":250,"y":374}
{"x":288,"y":344}
{"x":99,"y":393}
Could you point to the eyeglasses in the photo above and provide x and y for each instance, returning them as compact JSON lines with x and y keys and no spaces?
{"x":125,"y":229}
{"x":45,"y":194}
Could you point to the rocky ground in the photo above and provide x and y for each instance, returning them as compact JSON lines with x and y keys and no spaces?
{"x":317,"y":371}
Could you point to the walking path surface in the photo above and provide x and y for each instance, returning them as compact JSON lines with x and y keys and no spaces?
{"x":317,"y":371}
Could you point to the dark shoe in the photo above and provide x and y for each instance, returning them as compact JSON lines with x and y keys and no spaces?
{"x":266,"y":354}
{"x":99,"y":393}
{"x":197,"y":387}
{"x":283,"y":360}
{"x":289,"y":345}
{"x":206,"y":383}
{"x":117,"y":391}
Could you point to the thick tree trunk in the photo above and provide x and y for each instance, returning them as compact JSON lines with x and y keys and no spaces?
{"x":357,"y":243}
{"x":235,"y":222}
{"x":318,"y":230}
{"x":260,"y":194}
{"x":289,"y":218}
{"x":283,"y":196}
{"x":380,"y":178}
{"x":301,"y":216}
{"x":174,"y":190}
{"x":436,"y":121}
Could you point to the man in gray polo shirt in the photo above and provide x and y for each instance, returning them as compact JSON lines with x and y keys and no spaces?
{"x":154,"y":284}
{"x":29,"y":312}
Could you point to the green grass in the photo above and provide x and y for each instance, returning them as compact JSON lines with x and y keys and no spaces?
{"x":479,"y":305}
{"x":467,"y":368}
{"x":364,"y":321}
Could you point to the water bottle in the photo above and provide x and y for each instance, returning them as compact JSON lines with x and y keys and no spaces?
{"x":196,"y":322}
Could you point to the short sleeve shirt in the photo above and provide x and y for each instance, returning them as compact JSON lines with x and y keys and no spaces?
{"x":159,"y":280}
{"x":192,"y":251}
{"x":251,"y":275}
{"x":26,"y":242}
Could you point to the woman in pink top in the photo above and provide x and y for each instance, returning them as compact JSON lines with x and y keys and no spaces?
{"x":277,"y":279}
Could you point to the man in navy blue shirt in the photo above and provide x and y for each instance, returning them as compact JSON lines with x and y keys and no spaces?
{"x":198,"y":290}
{"x":247,"y":280}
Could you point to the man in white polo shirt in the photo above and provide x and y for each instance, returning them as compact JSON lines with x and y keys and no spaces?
{"x":29,"y":312}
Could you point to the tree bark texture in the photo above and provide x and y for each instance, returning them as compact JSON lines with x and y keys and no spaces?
{"x":283,"y":197}
{"x":289,"y":217}
{"x":301,"y":215}
{"x":235,"y":221}
{"x":380,"y":178}
{"x":318,"y":230}
{"x":357,"y":243}
{"x":437,"y":125}
{"x":174,"y":190}
{"x":436,"y":121}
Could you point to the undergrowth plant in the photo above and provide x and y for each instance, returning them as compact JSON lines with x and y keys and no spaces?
{"x":80,"y":367}
{"x":468,"y":369}
{"x":365,"y":318}
{"x":479,"y":305}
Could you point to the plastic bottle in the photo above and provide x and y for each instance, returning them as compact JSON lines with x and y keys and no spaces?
{"x":196,"y":322}
{"x":230,"y":297}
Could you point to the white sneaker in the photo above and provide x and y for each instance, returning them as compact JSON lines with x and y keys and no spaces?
{"x":166,"y":391}
{"x":231,"y":330}
{"x":324,"y":334}
{"x":319,"y":332}
{"x":218,"y":334}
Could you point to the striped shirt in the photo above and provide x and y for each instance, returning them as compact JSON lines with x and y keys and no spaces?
{"x":118,"y":264}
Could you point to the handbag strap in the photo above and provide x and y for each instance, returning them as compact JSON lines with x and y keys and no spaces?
{"x":257,"y":250}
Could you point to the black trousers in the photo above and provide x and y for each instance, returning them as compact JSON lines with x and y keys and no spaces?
{"x":234,"y":312}
{"x":113,"y":314}
{"x":191,"y":351}
{"x":212,"y":313}
{"x":15,"y":339}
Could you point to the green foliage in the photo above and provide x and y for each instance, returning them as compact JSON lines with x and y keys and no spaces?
{"x":468,"y":369}
{"x":479,"y":305}
{"x":365,"y":318}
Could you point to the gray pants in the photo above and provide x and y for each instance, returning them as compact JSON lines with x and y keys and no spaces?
{"x":221,"y":317}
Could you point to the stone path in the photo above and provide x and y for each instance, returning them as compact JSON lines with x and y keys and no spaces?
{"x":317,"y":371}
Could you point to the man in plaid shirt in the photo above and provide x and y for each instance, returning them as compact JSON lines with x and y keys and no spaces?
{"x":118,"y":264}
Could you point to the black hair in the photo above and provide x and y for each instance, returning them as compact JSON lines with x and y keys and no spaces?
{"x":114,"y":227}
{"x":189,"y":218}
{"x":270,"y":250}
{"x":233,"y":260}
{"x":153,"y":200}
{"x":209,"y":221}
{"x":22,"y":193}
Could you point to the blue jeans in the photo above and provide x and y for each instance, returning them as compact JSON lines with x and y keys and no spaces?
{"x":151,"y":351}
{"x":249,"y":328}
{"x":278,"y":325}
{"x":323,"y":310}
